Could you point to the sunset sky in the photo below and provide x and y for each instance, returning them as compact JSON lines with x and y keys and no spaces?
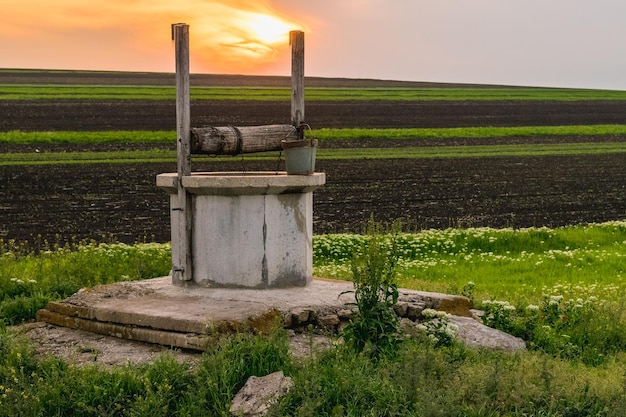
{"x":557,"y":43}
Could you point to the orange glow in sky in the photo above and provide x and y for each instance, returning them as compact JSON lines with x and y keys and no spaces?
{"x":244,"y":39}
{"x":556,"y":43}
{"x":225,"y":35}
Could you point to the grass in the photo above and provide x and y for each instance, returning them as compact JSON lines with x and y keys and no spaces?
{"x":32,"y":275}
{"x":558,"y":289}
{"x":543,"y":266}
{"x":518,"y":265}
{"x":108,"y":137}
{"x":469,"y":132}
{"x":326,"y":134}
{"x":107,"y":92}
{"x":153,"y":142}
{"x":32,"y":387}
{"x":46,"y":158}
{"x":165,"y":155}
{"x":422,"y":381}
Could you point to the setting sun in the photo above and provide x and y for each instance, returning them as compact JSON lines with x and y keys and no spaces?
{"x":252,"y":35}
{"x":269,"y":29}
{"x":241,"y":40}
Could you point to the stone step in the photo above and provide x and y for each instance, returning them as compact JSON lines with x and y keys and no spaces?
{"x":156,"y":311}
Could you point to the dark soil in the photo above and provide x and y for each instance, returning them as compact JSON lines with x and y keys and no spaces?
{"x":122,"y":201}
{"x":90,"y":115}
{"x":60,"y":202}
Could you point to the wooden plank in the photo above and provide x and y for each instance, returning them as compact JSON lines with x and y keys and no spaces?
{"x":182,"y":269}
{"x":231,"y":140}
{"x":296,"y":39}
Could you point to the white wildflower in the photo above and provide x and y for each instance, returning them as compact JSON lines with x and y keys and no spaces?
{"x":429,"y":313}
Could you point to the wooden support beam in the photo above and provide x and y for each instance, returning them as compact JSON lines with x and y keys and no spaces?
{"x":182,"y":269}
{"x":232,"y":140}
{"x":296,"y":39}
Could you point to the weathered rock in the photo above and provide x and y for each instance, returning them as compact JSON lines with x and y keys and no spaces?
{"x":452,"y":304}
{"x":259,"y":393}
{"x":409,"y":328}
{"x":473,"y":333}
{"x":400,"y":308}
{"x":344,"y":314}
{"x":414,"y":310}
{"x":300,"y":315}
{"x":329,"y":321}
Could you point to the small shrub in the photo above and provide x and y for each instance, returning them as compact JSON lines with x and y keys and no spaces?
{"x":574,"y":328}
{"x":499,"y":315}
{"x":375,"y":325}
{"x":437,"y":326}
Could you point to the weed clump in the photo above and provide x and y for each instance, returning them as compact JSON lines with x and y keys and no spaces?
{"x":374,"y":329}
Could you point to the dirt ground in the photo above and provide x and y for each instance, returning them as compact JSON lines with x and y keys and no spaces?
{"x":90,"y":115}
{"x":82,"y":348}
{"x":61,"y":202}
{"x":121,"y":201}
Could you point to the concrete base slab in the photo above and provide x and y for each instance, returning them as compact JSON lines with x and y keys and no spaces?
{"x":158,"y":312}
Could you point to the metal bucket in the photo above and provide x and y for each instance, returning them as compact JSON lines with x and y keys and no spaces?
{"x":300,"y":156}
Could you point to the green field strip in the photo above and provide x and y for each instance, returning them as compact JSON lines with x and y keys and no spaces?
{"x":158,"y":155}
{"x":474,"y":151}
{"x":107,"y":92}
{"x":109,"y":137}
{"x":87,"y":157}
{"x":161,"y":137}
{"x":467,"y":132}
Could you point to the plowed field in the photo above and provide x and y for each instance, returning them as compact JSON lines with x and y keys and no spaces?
{"x":60,"y":202}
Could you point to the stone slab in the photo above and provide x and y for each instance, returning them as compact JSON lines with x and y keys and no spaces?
{"x":242,"y":183}
{"x":475,"y":334}
{"x":156,"y":311}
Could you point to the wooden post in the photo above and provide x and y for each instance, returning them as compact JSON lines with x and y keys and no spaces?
{"x":182,"y":269}
{"x":296,"y":39}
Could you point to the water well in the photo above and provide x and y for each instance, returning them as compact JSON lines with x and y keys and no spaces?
{"x":249,"y":229}
{"x":240,"y":229}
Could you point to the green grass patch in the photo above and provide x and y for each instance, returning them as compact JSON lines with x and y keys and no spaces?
{"x":47,"y":158}
{"x":49,"y":387}
{"x":30,"y":277}
{"x":559,"y":289}
{"x":422,"y":381}
{"x":107,"y":92}
{"x":480,"y":151}
{"x":468,"y":132}
{"x":165,"y":155}
{"x":65,"y":137}
{"x":512,"y":264}
{"x":573,"y":276}
{"x":325,"y":134}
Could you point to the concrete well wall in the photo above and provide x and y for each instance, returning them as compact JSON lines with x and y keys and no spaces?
{"x":252,"y":231}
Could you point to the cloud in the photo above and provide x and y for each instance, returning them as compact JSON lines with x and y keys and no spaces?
{"x":225,"y":35}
